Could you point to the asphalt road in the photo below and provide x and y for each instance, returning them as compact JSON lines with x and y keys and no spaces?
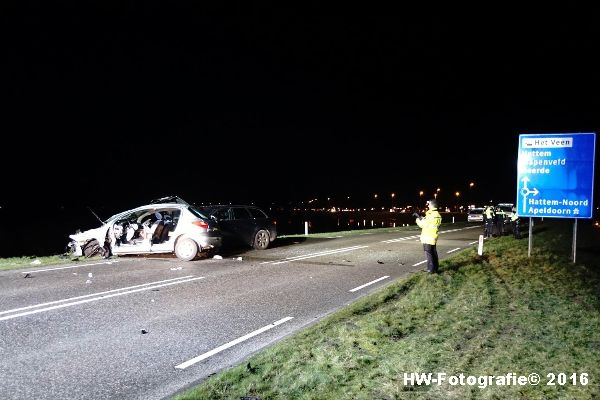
{"x":140,"y":328}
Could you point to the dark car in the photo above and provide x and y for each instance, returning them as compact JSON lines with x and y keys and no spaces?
{"x":243,"y":224}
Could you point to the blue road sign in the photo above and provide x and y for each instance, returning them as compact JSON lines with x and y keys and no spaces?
{"x":555,"y":175}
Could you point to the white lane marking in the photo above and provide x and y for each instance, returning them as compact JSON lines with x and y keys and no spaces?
{"x":321,"y":253}
{"x":70,"y":266}
{"x":400,"y":239}
{"x":477,"y":241}
{"x":419,"y":263}
{"x":368,"y":283}
{"x":93,"y":294}
{"x":103,"y":297}
{"x":453,"y":250}
{"x":327,"y":252}
{"x":318,"y":255}
{"x":219,"y":349}
{"x":416,"y":236}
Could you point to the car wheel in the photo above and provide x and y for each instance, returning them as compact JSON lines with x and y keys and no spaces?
{"x":92,"y":248}
{"x":261,"y":240}
{"x":186,"y":249}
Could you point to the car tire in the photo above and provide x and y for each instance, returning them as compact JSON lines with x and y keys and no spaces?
{"x":186,"y":249}
{"x":261,"y":240}
{"x":92,"y":248}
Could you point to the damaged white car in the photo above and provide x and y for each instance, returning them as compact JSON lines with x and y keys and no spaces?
{"x":173,"y":227}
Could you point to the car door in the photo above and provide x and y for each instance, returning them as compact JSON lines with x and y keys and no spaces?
{"x":224,"y":217}
{"x":244,"y":224}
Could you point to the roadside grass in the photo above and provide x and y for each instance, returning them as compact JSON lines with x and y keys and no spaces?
{"x":33,"y":261}
{"x":503,"y":312}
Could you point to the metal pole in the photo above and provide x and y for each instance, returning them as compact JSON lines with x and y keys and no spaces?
{"x":530,"y":236}
{"x":574,"y":250}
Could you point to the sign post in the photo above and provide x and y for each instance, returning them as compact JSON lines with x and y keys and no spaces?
{"x":555,"y":177}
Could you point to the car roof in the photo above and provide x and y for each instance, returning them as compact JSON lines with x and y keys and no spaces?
{"x":229,"y":205}
{"x":170,"y":199}
{"x":147,"y":207}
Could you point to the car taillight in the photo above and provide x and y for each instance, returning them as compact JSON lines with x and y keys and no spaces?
{"x":274,"y":222}
{"x":201,"y":224}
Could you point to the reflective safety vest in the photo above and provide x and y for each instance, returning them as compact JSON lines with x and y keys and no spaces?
{"x":489,"y":212}
{"x":430,"y":226}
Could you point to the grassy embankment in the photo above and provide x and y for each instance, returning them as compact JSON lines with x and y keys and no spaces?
{"x":490,"y":315}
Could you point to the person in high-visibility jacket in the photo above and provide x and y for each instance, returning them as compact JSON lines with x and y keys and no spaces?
{"x":429,"y":234}
{"x":515,"y":224}
{"x":488,"y":217}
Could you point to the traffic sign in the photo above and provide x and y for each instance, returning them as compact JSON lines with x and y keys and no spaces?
{"x":555,"y":175}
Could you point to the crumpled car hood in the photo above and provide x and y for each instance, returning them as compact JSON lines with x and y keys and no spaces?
{"x":96,"y":233}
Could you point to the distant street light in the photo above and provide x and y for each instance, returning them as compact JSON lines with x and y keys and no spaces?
{"x":457,"y":200}
{"x":471,"y":198}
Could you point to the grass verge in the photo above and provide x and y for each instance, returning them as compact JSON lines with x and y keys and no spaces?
{"x":33,"y":261}
{"x":492,"y":315}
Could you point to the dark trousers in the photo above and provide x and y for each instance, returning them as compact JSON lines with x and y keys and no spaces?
{"x":516,"y":231}
{"x":500,"y":226}
{"x":432,"y":258}
{"x":489,"y":228}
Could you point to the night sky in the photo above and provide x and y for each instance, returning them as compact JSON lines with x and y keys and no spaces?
{"x":134,"y":103}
